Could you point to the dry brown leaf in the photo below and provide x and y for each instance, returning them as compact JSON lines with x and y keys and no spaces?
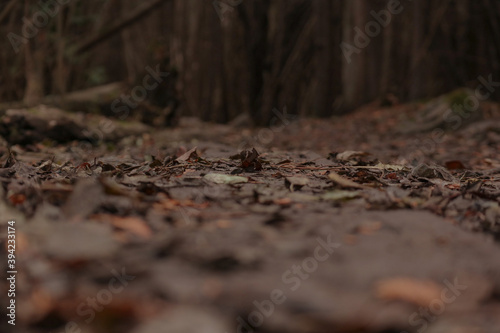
{"x":188,"y":155}
{"x":368,"y":228}
{"x":170,"y":204}
{"x":454,"y":165}
{"x":350,"y":155}
{"x":134,"y":225}
{"x":419,"y":292}
{"x":283,"y":201}
{"x":17,"y":199}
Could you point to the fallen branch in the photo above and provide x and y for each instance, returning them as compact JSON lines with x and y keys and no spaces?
{"x":130,"y":19}
{"x":8,"y":8}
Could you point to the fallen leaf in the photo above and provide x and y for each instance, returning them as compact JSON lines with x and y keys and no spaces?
{"x":391,"y":175}
{"x":83,"y":166}
{"x":295,"y":183}
{"x":344,"y":182}
{"x":188,"y":155}
{"x":131,"y":224}
{"x":431,"y":171}
{"x":250,"y":159}
{"x":17,"y":199}
{"x":11,"y":160}
{"x":46,"y":166}
{"x":454,"y":165}
{"x":339,"y":195}
{"x":219,"y":178}
{"x":350,"y":155}
{"x":155,"y":163}
{"x":368,"y":228}
{"x":419,"y":292}
{"x":171,"y":204}
{"x":283,"y":201}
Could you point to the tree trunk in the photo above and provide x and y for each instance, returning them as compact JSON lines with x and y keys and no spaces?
{"x":353,"y":68}
{"x":34,"y":64}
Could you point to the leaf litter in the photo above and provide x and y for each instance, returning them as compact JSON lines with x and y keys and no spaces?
{"x":206,"y":230}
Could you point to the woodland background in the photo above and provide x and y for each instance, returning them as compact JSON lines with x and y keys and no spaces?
{"x":230,"y":57}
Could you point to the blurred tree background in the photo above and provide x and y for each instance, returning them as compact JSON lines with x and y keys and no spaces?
{"x":228,"y":57}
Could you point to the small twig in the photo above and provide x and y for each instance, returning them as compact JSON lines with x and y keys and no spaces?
{"x":284,"y":166}
{"x":176,"y":166}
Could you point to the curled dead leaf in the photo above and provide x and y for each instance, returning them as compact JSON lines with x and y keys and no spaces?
{"x":250,"y":159}
{"x":190,"y":154}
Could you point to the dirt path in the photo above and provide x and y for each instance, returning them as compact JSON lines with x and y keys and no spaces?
{"x":190,"y":230}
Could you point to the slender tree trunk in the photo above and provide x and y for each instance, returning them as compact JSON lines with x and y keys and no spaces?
{"x":353,"y":70}
{"x":34,"y":65}
{"x":61,"y":70}
{"x":415,"y":88}
{"x":255,"y":17}
{"x":324,"y":64}
{"x":387,"y":60}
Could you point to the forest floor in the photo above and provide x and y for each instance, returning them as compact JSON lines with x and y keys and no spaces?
{"x":361,"y":223}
